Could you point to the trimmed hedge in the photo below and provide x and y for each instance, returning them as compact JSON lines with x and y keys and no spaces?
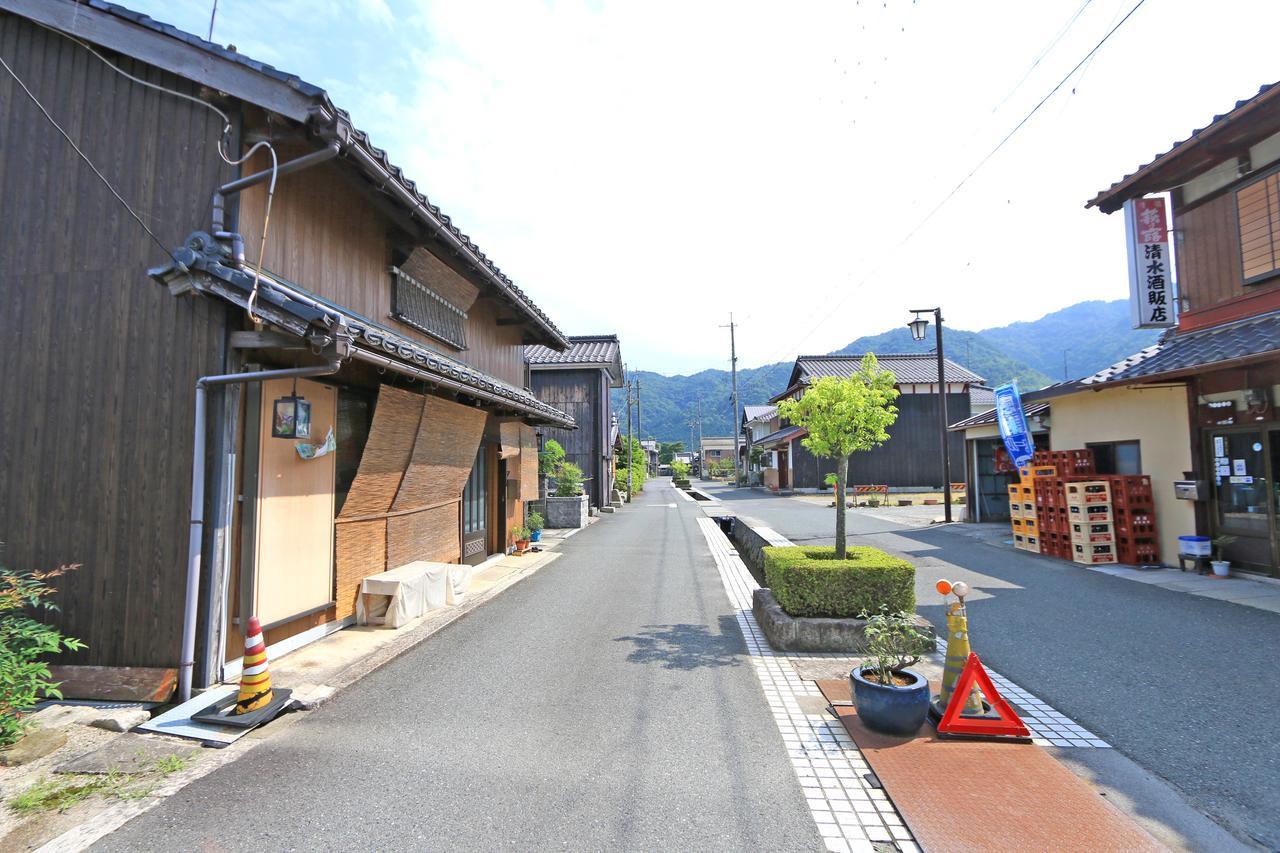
{"x":811,"y":582}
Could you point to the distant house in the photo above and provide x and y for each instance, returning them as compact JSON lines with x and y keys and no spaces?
{"x":579,"y":379}
{"x":650,"y":446}
{"x":913,"y":455}
{"x":715,"y":451}
{"x":757,"y":422}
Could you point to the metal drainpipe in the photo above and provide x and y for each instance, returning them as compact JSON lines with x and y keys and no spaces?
{"x":196,"y":542}
{"x":297,"y":164}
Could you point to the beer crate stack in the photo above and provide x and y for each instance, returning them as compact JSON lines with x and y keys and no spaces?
{"x":1092,"y":521}
{"x":1051,"y":511}
{"x":1023,"y":512}
{"x":1134,"y":508}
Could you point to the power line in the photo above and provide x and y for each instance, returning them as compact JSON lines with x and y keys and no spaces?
{"x":85,"y":158}
{"x":1052,"y":44}
{"x":831,"y":310}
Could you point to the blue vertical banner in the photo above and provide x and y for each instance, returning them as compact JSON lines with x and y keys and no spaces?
{"x":1013,"y":425}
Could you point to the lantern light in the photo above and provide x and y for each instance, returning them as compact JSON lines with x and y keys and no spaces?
{"x":918,"y":327}
{"x":291,"y":417}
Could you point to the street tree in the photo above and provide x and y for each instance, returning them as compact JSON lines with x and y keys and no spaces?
{"x":844,"y":416}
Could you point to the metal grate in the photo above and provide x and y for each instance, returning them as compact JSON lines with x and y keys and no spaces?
{"x":417,"y":305}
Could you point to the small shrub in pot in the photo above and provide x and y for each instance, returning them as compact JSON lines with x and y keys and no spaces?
{"x":891,"y":697}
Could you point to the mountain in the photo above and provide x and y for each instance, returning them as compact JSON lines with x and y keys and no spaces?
{"x":1092,"y":334}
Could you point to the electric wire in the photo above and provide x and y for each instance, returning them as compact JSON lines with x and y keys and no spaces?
{"x":85,"y":158}
{"x":830,"y":310}
{"x":222,"y":139}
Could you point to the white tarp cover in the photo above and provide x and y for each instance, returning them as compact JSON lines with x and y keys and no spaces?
{"x":459,"y":581}
{"x":404,"y":593}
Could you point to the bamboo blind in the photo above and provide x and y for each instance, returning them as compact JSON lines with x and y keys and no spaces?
{"x":1259,"y":207}
{"x":528,"y":463}
{"x":509,"y":439}
{"x":396,"y":419}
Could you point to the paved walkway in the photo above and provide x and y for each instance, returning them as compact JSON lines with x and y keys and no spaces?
{"x":607,"y":702}
{"x":1182,"y":684}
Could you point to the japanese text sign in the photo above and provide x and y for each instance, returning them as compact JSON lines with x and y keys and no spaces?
{"x":1151,"y":295}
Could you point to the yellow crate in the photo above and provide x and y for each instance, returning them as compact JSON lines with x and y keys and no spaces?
{"x":1093,"y":554}
{"x":1093,"y":532}
{"x":1088,"y":492}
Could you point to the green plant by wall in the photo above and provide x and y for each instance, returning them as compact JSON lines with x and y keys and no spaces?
{"x":639,"y":466}
{"x":536,"y":521}
{"x":24,"y":677}
{"x":812,"y":581}
{"x":568,"y":480}
{"x":551,"y":458}
{"x":679,"y":470}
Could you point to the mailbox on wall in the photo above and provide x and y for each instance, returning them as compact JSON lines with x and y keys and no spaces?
{"x":1189,"y":490}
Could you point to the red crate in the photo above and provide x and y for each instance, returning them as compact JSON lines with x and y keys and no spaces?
{"x":1135,"y":521}
{"x":1131,"y":489}
{"x":1138,"y":550}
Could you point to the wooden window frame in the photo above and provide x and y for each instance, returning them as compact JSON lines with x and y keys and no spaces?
{"x":1272,"y":177}
{"x":435,"y":316}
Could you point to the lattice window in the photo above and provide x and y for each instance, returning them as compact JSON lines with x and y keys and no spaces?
{"x":417,"y":305}
{"x":1258,"y":206}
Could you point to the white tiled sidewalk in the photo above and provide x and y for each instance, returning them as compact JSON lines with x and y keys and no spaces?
{"x":848,"y":805}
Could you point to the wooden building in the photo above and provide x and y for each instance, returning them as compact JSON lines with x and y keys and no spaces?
{"x":912,"y":457}
{"x":577,"y":381}
{"x":1223,"y":353}
{"x":139,"y":410}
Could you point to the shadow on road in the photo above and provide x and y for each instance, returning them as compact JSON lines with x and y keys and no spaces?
{"x":687,"y":646}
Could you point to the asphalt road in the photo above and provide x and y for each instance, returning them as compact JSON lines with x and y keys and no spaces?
{"x":1185,"y":686}
{"x":606,"y":702}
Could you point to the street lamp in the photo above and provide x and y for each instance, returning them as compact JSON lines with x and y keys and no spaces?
{"x":919,"y":326}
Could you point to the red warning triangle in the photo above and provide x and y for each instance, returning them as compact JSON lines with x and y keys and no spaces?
{"x":1009,"y":723}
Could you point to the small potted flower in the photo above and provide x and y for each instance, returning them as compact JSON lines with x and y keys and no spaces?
{"x":521,"y":537}
{"x":1221,"y":567}
{"x":891,"y":698}
{"x":536,"y":523}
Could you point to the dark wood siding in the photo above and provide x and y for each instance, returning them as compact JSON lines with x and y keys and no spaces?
{"x":578,"y":393}
{"x":100,"y":362}
{"x":1209,"y":265}
{"x":911,"y":457}
{"x":326,"y":237}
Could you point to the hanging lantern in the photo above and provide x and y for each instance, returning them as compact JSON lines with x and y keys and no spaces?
{"x":292,"y":416}
{"x":918,"y":327}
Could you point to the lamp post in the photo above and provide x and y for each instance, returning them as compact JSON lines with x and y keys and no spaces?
{"x":919,"y":326}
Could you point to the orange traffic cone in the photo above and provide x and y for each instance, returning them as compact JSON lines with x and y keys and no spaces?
{"x":255,"y":680}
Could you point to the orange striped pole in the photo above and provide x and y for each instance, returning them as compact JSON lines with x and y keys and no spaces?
{"x":255,"y":680}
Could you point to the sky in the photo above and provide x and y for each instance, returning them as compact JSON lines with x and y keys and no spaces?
{"x":648,"y":168}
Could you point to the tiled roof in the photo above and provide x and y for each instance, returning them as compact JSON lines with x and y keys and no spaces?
{"x":1202,"y":348}
{"x":1111,"y":198}
{"x":759,"y":413}
{"x":783,"y":435}
{"x":988,"y":417}
{"x":909,"y":368}
{"x":583,"y":349}
{"x":353,"y":138}
{"x":981,"y":398}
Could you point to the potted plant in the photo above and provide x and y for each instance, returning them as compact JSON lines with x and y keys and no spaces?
{"x":891,"y":698}
{"x":521,"y":536}
{"x":536,"y":523}
{"x":567,"y":506}
{"x":1221,"y":567}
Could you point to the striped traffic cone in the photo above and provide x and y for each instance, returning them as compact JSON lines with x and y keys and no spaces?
{"x":255,"y":680}
{"x":957,"y":655}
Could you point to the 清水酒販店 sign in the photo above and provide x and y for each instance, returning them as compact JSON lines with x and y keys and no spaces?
{"x":1151,"y":296}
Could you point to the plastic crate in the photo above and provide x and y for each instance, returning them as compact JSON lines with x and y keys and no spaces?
{"x":1015,"y":509}
{"x":1131,"y":489}
{"x":1138,"y":550}
{"x":1092,"y":533}
{"x":1090,"y":513}
{"x":1088,"y":492}
{"x":1093,"y":554}
{"x":1135,"y":521}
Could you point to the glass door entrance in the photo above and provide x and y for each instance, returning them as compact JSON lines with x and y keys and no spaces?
{"x":475,"y":510}
{"x":1244,"y":468}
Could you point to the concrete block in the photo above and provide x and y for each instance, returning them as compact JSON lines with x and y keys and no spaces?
{"x":566,"y":512}
{"x":120,"y":721}
{"x":809,"y":634}
{"x":608,"y":509}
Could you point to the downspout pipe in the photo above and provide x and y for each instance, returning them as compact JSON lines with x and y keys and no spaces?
{"x":196,"y":541}
{"x":297,"y":164}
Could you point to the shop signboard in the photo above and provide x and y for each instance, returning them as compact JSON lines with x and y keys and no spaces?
{"x":1013,"y":425}
{"x":1151,"y":293}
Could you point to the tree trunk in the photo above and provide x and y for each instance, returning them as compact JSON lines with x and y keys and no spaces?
{"x":842,"y":471}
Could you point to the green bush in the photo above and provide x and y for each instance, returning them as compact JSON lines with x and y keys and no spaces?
{"x":536,"y":521}
{"x":24,"y":677}
{"x":810,"y":581}
{"x":551,"y":458}
{"x":568,"y":480}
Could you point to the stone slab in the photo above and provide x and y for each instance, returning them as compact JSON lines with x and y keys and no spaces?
{"x":806,"y":634}
{"x":36,"y":743}
{"x":128,"y":753}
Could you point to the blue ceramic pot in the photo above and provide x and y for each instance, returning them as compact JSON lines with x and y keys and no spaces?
{"x":535,"y":536}
{"x":889,"y":709}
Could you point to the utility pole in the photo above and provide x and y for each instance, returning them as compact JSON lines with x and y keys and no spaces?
{"x":628,"y":441}
{"x":737,"y":432}
{"x":639,"y":428}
